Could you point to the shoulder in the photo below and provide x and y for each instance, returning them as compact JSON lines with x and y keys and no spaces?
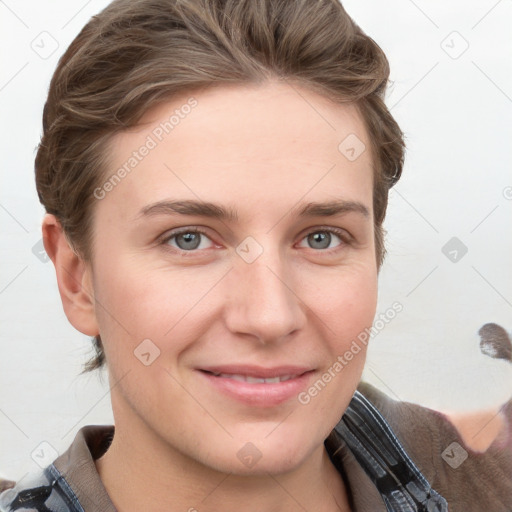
{"x":418,"y":428}
{"x":35,"y":491}
{"x":5,"y":484}
{"x":466,"y":478}
{"x":55,"y":487}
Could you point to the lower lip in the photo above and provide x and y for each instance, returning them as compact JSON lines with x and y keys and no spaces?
{"x":259,"y":394}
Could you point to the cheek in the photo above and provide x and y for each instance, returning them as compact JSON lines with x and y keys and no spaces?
{"x":345,"y":314}
{"x":347,"y":305}
{"x":136,"y":302}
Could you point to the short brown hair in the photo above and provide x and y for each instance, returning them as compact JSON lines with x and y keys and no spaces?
{"x":137,"y":53}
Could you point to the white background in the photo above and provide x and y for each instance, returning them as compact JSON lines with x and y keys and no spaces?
{"x":455,"y":108}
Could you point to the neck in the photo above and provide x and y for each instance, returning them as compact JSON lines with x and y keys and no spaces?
{"x":141,"y":472}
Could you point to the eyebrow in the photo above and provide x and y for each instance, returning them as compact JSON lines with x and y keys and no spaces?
{"x":216,"y":211}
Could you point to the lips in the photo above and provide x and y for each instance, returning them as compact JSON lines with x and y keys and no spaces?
{"x":258,"y":372}
{"x":256,"y":385}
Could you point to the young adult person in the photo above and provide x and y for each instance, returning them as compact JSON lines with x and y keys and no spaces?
{"x":215,"y":175}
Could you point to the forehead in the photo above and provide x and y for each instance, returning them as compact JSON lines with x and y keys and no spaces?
{"x":257,"y":144}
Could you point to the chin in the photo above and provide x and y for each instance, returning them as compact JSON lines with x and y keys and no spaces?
{"x":262,"y":456}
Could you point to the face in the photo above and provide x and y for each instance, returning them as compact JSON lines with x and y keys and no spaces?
{"x":223,"y":295}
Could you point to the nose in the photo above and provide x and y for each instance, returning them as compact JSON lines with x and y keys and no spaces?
{"x":264,"y":301}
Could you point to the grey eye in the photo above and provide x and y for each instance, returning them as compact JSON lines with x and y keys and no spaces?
{"x":188,"y":240}
{"x":320,"y":239}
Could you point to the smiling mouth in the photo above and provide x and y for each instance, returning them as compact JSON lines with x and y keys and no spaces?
{"x":254,"y":380}
{"x":258,"y":386}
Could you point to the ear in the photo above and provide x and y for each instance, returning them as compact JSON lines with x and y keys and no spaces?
{"x":73,"y":277}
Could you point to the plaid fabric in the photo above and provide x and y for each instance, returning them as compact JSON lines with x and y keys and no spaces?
{"x":400,"y":483}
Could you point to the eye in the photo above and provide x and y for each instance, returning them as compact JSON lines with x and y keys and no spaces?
{"x":193,"y":239}
{"x":187,"y":239}
{"x":322,"y":238}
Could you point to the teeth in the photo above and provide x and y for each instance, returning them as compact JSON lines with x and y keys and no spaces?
{"x":234,"y":377}
{"x":255,"y":380}
{"x":272,"y":380}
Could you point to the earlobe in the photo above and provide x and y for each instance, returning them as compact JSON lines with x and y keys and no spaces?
{"x":73,"y":278}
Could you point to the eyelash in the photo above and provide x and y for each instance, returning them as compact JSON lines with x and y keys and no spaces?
{"x":344,"y":237}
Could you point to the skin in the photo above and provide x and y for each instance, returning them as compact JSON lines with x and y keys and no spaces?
{"x":262,"y":150}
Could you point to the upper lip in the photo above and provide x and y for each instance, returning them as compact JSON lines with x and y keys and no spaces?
{"x":258,"y":371}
